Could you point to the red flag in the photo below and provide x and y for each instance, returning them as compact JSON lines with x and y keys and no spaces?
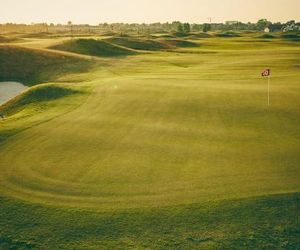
{"x":266,"y":72}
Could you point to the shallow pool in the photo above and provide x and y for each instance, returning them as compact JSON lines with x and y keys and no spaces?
{"x":9,"y":90}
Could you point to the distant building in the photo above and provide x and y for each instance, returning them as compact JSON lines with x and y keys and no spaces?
{"x":267,"y":30}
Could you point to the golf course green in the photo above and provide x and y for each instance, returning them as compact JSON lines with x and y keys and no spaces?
{"x":120,"y":146}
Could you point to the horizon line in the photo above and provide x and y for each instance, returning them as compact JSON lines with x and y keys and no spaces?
{"x":140,"y":23}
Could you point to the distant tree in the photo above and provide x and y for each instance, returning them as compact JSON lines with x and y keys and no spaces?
{"x":206,"y":27}
{"x":174,"y":25}
{"x":291,"y":26}
{"x":180,"y":28}
{"x":71,"y":27}
{"x":262,"y":24}
{"x":186,"y":28}
{"x":291,"y":23}
{"x":196,"y":27}
{"x":105,"y":26}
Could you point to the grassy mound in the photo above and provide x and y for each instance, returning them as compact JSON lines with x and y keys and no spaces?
{"x":148,"y":44}
{"x":266,"y":36}
{"x":228,"y":34}
{"x":163,"y":36}
{"x":37,"y":94}
{"x":94,"y":47}
{"x":34,"y":66}
{"x":181,"y":43}
{"x":200,"y":35}
{"x":5,"y":39}
{"x":108,"y":33}
{"x":180,"y":34}
{"x":291,"y":36}
{"x":37,"y":35}
{"x":138,"y":44}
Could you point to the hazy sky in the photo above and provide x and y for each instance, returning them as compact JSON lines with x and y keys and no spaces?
{"x":96,"y":11}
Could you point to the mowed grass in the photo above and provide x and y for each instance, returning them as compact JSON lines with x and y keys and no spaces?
{"x":156,"y":132}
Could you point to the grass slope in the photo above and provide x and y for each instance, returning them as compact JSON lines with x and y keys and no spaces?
{"x":267,"y":36}
{"x":35,"y":95}
{"x":38,"y":105}
{"x":5,"y":39}
{"x":181,"y":43}
{"x":228,"y":34}
{"x":93,"y":47}
{"x":31,"y":66}
{"x":139,"y":43}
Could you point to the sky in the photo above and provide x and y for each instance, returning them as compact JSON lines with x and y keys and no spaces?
{"x":146,"y":11}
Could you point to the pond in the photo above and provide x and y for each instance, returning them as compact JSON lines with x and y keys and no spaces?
{"x":8,"y":90}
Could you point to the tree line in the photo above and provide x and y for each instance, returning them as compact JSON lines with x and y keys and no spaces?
{"x":176,"y":26}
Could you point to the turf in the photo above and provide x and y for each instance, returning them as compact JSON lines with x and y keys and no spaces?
{"x":94,"y":47}
{"x":256,"y":223}
{"x":38,"y":105}
{"x":228,"y":34}
{"x":267,"y":36}
{"x":291,"y":36}
{"x":139,"y":44}
{"x":6,"y":39}
{"x":36,"y":95}
{"x":181,"y":43}
{"x":165,"y":150}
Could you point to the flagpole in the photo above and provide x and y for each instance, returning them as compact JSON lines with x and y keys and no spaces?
{"x":267,"y":73}
{"x":268,"y":90}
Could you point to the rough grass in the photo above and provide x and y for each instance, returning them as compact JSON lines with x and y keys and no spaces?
{"x":5,"y":39}
{"x":267,"y":36}
{"x":94,"y":47}
{"x":148,"y":44}
{"x":291,"y":36}
{"x":138,"y":43}
{"x":37,"y":35}
{"x":31,"y":66}
{"x":180,"y":34}
{"x":200,"y":35}
{"x":256,"y":223}
{"x":228,"y":34}
{"x":181,"y":43}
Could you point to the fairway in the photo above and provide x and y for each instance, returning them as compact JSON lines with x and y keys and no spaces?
{"x":155,"y":132}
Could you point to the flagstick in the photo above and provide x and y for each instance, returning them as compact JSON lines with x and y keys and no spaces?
{"x":268,"y":90}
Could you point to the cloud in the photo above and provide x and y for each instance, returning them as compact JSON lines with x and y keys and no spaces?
{"x":96,"y":11}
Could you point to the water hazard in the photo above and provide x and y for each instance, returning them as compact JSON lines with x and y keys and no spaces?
{"x":9,"y":90}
